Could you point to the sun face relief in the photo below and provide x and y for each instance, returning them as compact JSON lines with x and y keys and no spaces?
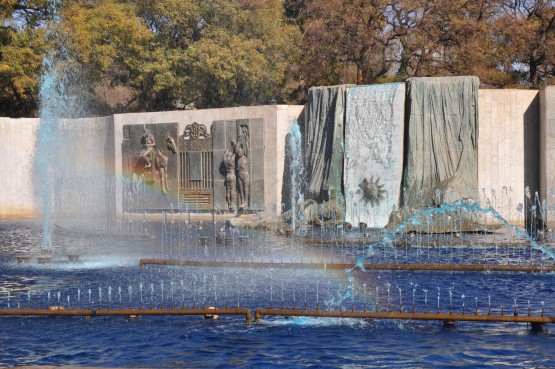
{"x":372,"y":191}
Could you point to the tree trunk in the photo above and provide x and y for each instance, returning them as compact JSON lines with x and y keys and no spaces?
{"x":359,"y":75}
{"x":533,"y":71}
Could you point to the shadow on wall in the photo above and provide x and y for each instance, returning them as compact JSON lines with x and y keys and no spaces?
{"x":531,"y":124}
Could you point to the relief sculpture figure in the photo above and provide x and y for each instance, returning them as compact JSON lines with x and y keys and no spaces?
{"x":230,"y":182}
{"x":147,"y":152}
{"x":143,"y":161}
{"x":243,"y":178}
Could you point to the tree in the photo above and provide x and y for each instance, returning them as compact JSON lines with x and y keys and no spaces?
{"x":136,"y":55}
{"x":529,"y":31}
{"x":20,"y":65}
{"x":397,"y":39}
{"x":339,"y":34}
{"x":29,"y":14}
{"x":216,"y":53}
{"x":463,"y":40}
{"x":103,"y":45}
{"x":21,"y":49}
{"x":295,"y":11}
{"x":405,"y":21}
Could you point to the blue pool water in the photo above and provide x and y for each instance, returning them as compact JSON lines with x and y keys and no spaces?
{"x":109,"y":265}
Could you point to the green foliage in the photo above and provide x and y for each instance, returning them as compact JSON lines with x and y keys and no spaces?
{"x":20,"y":65}
{"x":22,"y":46}
{"x":149,"y":55}
{"x":103,"y":45}
{"x":216,"y":53}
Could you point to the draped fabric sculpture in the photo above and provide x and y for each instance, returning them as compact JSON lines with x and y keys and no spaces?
{"x":324,"y":146}
{"x":441,"y":161}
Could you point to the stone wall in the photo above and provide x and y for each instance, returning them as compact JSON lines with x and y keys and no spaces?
{"x":17,"y":140}
{"x":508,"y":149}
{"x":547,"y":152}
{"x":85,"y":182}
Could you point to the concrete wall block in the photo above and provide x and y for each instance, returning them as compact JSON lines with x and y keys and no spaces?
{"x":505,"y":135}
{"x":547,"y":150}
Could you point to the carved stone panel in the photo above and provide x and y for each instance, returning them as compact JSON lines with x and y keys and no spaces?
{"x":145,"y":192}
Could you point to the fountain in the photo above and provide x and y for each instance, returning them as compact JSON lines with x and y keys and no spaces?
{"x":297,"y":172}
{"x":300,"y":278}
{"x":340,"y":262}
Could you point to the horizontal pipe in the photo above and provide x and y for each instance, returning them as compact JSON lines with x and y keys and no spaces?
{"x":463,"y":267}
{"x":128,"y":312}
{"x":260,"y":312}
{"x":437,"y":243}
{"x":343,"y":266}
{"x":405,"y":316}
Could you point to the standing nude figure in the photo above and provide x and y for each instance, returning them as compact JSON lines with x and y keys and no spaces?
{"x":243,"y":178}
{"x":230,"y":177}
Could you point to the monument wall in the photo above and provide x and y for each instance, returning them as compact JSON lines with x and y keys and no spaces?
{"x":508,"y":159}
{"x":90,"y":161}
{"x":324,"y":142}
{"x":442,"y":144}
{"x":81,"y":153}
{"x":515,"y":151}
